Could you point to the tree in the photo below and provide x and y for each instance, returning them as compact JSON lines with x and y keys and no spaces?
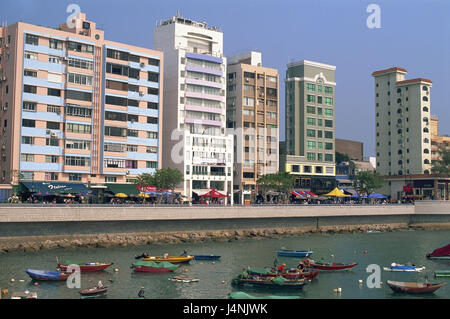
{"x":165,"y":178}
{"x":280,"y":182}
{"x":368,"y":181}
{"x":442,"y":166}
{"x":341,"y":158}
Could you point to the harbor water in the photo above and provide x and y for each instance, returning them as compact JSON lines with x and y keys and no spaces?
{"x":215,"y":278}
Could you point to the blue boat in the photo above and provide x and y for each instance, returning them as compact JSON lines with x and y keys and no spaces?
{"x":407,"y":268}
{"x":47,"y":275}
{"x":206,"y":257}
{"x":294,"y":253}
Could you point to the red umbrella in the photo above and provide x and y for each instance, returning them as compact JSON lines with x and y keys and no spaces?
{"x":214,"y":194}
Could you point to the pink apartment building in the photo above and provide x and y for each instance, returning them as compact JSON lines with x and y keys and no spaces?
{"x":75,"y":108}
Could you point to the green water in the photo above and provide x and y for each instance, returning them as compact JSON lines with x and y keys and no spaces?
{"x":215,"y":278}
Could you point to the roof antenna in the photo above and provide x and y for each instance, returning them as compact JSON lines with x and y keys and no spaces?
{"x":178,"y":14}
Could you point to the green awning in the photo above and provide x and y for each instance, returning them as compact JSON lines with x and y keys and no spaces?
{"x":129,"y":189}
{"x":55,"y":188}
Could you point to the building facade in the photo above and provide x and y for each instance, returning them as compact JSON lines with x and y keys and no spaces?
{"x":253,"y":114}
{"x":353,"y":149}
{"x":76,"y":107}
{"x":309,"y":126}
{"x":437,"y":141}
{"x":402,"y":123}
{"x":195,"y":137}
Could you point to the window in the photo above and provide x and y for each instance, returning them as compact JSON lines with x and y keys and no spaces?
{"x":31,"y":55}
{"x":28,"y":123}
{"x":328,"y":112}
{"x":249,"y":101}
{"x":117,"y":69}
{"x":425,"y":99}
{"x":80,"y":47}
{"x":50,"y":176}
{"x":131,"y":164}
{"x":328,"y":157}
{"x":311,"y":133}
{"x":133,"y":133}
{"x":310,"y":87}
{"x":311,"y":156}
{"x":115,"y":131}
{"x":75,"y":177}
{"x":79,"y":79}
{"x":53,"y":92}
{"x":132,"y":118}
{"x":311,"y":144}
{"x":311,"y":109}
{"x":55,"y":59}
{"x":114,"y":163}
{"x":114,"y":100}
{"x":77,"y":161}
{"x":153,"y":77}
{"x":328,"y":146}
{"x":80,"y":64}
{"x":51,"y":142}
{"x":152,"y":91}
{"x":53,"y":125}
{"x":78,"y":128}
{"x":56,"y":44}
{"x":53,"y":109}
{"x":132,"y":148}
{"x":319,"y":100}
{"x":152,"y":120}
{"x":307,"y":169}
{"x":151,"y":149}
{"x":311,"y":98}
{"x":150,"y":164}
{"x":114,"y":147}
{"x":328,"y":90}
{"x":78,"y":145}
{"x":328,"y":134}
{"x":28,"y":140}
{"x":51,"y":158}
{"x":27,"y":175}
{"x":78,"y":95}
{"x":328,"y":101}
{"x":310,"y":121}
{"x":31,"y":39}
{"x":153,"y":62}
{"x":425,"y":130}
{"x":29,"y":89}
{"x":425,"y":109}
{"x":115,"y":116}
{"x":29,"y":106}
{"x":30,"y":73}
{"x":152,"y":135}
{"x":78,"y":110}
{"x":328,"y":123}
{"x":110,"y":179}
{"x":27,"y":157}
{"x":152,"y":105}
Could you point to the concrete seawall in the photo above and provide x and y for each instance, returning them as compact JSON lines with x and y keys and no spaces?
{"x":35,"y":228}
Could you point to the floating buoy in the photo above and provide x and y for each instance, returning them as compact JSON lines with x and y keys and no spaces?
{"x":5,"y":291}
{"x":186,"y":270}
{"x":332,"y":255}
{"x":223,"y":281}
{"x":213,"y":262}
{"x":12,"y":280}
{"x":116,"y":270}
{"x":36,"y":284}
{"x":339,"y":289}
{"x":21,"y":280}
{"x":360,"y":282}
{"x":381,"y":282}
{"x":335,"y":290}
{"x":365,"y":251}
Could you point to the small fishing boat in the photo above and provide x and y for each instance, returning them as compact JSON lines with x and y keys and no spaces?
{"x":270,"y":283}
{"x":182,"y":278}
{"x":294,"y":253}
{"x":206,"y":257}
{"x":171,"y":259}
{"x":93,"y":291}
{"x":442,"y":273}
{"x":414,"y":287}
{"x":47,"y":275}
{"x":407,"y":268}
{"x":243,"y":295}
{"x":24,"y":295}
{"x":290,"y":274}
{"x":309,"y":263}
{"x":84,"y":267}
{"x":442,"y":253}
{"x":150,"y":266}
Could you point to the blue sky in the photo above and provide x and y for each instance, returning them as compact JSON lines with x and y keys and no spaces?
{"x":414,"y":35}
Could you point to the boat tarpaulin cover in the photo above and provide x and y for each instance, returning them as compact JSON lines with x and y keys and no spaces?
{"x":443,"y":251}
{"x":260,"y":271}
{"x":163,"y":264}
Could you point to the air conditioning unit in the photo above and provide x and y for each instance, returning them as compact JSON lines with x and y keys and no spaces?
{"x":247,"y":80}
{"x":4,"y":129}
{"x":48,"y":132}
{"x":141,"y":93}
{"x":127,"y":172}
{"x":4,"y":147}
{"x":142,"y":64}
{"x":5,"y":108}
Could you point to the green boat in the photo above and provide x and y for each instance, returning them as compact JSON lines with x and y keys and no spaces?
{"x":243,"y":295}
{"x":442,"y":273}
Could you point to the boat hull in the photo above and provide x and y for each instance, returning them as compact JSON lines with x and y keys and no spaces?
{"x":93,"y":292}
{"x":296,"y":253}
{"x":43,"y":275}
{"x":151,"y":269}
{"x":268,"y":284}
{"x":86,"y":268}
{"x":206,"y":257}
{"x":417,"y":269}
{"x":413,"y":288}
{"x":173,"y":260}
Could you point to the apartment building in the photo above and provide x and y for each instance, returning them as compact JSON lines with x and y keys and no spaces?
{"x":402,"y":123}
{"x":77,"y":108}
{"x":309,"y":126}
{"x":195,"y":137}
{"x":253,"y":114}
{"x":437,"y":141}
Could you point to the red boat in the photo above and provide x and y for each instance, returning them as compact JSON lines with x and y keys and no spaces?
{"x":440,"y":253}
{"x":414,"y":287}
{"x":290,"y":274}
{"x":150,"y":266}
{"x":327,"y":266}
{"x":84,"y":267}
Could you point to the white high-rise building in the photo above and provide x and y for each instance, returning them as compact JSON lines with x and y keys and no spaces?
{"x":194,"y":138}
{"x":402,"y":119}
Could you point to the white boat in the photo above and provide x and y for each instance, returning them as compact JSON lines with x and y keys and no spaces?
{"x":403,"y":268}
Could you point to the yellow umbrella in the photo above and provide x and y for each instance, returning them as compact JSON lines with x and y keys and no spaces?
{"x":121,"y":195}
{"x":336,"y":193}
{"x":144,"y":195}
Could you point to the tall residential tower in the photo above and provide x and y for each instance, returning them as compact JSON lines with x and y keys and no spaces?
{"x":195,"y":138}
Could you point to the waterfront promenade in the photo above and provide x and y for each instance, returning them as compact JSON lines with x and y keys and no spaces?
{"x":32,"y":227}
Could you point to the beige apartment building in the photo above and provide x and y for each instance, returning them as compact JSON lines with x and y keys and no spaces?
{"x":437,"y":141}
{"x":402,"y":123}
{"x":253,"y":116}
